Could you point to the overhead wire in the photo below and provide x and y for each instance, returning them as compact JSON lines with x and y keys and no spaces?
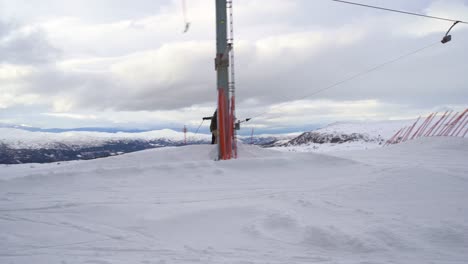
{"x":355,"y":76}
{"x":365,"y":72}
{"x":196,"y":132}
{"x":380,"y":65}
{"x":399,"y":11}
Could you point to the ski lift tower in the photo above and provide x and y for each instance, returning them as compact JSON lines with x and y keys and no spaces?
{"x":226,"y":104}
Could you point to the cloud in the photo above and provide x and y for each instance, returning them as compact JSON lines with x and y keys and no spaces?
{"x":71,"y":116}
{"x":321,"y":112}
{"x":140,"y":62}
{"x":7,"y":100}
{"x":170,"y":77}
{"x":10,"y":72}
{"x":25,"y":45}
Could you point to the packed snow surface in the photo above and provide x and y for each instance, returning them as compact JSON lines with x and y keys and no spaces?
{"x":401,"y":204}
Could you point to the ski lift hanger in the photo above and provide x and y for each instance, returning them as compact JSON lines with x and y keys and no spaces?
{"x":447,"y":37}
{"x":184,"y":12}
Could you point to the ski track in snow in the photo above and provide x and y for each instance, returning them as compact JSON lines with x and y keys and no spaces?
{"x":401,"y":204}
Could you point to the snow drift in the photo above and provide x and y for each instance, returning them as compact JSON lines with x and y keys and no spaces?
{"x":401,"y":204}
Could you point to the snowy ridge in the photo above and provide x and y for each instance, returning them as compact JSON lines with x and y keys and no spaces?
{"x":341,"y":136}
{"x":177,"y":205}
{"x":268,"y":140}
{"x":19,"y":146}
{"x":21,"y":139}
{"x":385,"y":129}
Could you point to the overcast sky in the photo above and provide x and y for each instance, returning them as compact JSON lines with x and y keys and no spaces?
{"x":122,"y":63}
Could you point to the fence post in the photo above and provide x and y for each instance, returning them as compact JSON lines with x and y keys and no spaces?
{"x":441,"y":123}
{"x":409,"y":131}
{"x":462,"y":125}
{"x":390,"y":141}
{"x":447,"y":125}
{"x":426,"y":124}
{"x":454,"y":124}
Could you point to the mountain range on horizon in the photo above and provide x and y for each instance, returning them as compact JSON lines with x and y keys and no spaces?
{"x":76,"y":129}
{"x":202,"y":130}
{"x":20,"y":144}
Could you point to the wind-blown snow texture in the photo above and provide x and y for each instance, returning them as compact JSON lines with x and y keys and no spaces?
{"x":402,"y":204}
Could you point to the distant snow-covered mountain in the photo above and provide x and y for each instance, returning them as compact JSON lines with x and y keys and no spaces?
{"x":18,"y":138}
{"x":268,"y":140}
{"x":82,"y":129}
{"x":18,"y":145}
{"x":22,"y":146}
{"x":345,"y":136}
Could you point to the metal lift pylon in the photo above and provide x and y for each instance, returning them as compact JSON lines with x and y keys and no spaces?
{"x":226,"y":109}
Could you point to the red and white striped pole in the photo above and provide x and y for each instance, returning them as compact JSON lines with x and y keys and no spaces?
{"x":390,"y":141}
{"x":409,"y":131}
{"x":442,"y":123}
{"x":447,"y":125}
{"x":436,"y":124}
{"x":455,"y":123}
{"x":461,"y":126}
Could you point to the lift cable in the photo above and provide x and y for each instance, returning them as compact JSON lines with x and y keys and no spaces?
{"x":399,"y":11}
{"x":203,"y":120}
{"x":446,"y":39}
{"x":360,"y":74}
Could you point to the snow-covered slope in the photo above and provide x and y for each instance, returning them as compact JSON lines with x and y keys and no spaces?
{"x":401,"y":204}
{"x":385,"y":129}
{"x":268,"y":140}
{"x":345,"y":136}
